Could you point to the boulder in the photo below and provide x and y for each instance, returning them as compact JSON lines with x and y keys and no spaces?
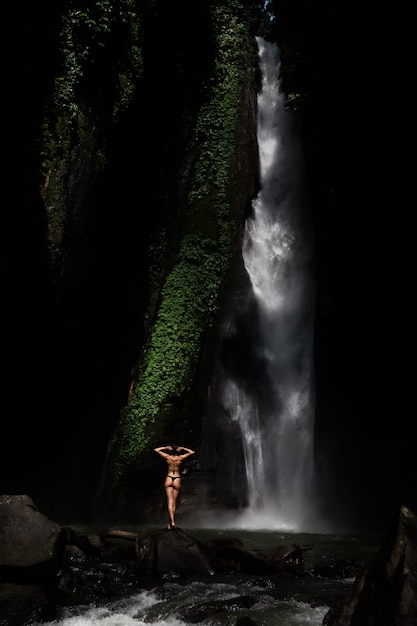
{"x":23,"y":604}
{"x":31,"y":545}
{"x":43,"y":565}
{"x":211,"y":609}
{"x":171,"y":551}
{"x":385,"y":594}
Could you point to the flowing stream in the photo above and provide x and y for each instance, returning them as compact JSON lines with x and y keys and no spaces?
{"x":278,"y":601}
{"x":277,"y":418}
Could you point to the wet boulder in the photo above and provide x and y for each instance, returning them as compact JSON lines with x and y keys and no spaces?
{"x":43,"y":564}
{"x":209,"y":610}
{"x":385,"y":593}
{"x":31,"y":545}
{"x":31,"y":550}
{"x":171,"y":551}
{"x":23,"y":604}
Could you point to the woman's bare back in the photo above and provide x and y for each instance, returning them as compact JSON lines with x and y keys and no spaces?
{"x":174,"y":464}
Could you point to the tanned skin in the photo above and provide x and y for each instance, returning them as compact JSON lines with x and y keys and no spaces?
{"x":174,"y":456}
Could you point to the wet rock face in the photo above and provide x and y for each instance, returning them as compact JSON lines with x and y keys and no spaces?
{"x":386,"y":593}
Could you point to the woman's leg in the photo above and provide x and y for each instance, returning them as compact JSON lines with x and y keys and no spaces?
{"x":176,"y":488}
{"x":172,"y":490}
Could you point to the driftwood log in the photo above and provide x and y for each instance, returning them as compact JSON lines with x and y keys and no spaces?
{"x":120,"y":534}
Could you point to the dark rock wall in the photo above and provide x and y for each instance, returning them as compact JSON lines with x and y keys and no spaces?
{"x":75,"y":316}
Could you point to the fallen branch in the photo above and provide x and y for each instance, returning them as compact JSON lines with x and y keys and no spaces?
{"x":121,"y":534}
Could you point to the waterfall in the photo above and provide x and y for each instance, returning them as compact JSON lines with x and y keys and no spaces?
{"x":276,"y":415}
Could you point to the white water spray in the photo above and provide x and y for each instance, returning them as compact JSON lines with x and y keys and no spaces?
{"x":277,"y":428}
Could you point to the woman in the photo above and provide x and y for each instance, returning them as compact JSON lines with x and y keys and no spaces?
{"x":174,"y":456}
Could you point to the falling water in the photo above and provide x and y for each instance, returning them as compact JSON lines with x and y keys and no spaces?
{"x":277,"y":420}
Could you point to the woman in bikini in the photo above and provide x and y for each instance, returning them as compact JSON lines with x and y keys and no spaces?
{"x":174,"y":456}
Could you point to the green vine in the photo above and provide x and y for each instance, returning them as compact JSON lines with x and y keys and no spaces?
{"x":86,"y":31}
{"x":190,"y":296}
{"x":89,"y":37}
